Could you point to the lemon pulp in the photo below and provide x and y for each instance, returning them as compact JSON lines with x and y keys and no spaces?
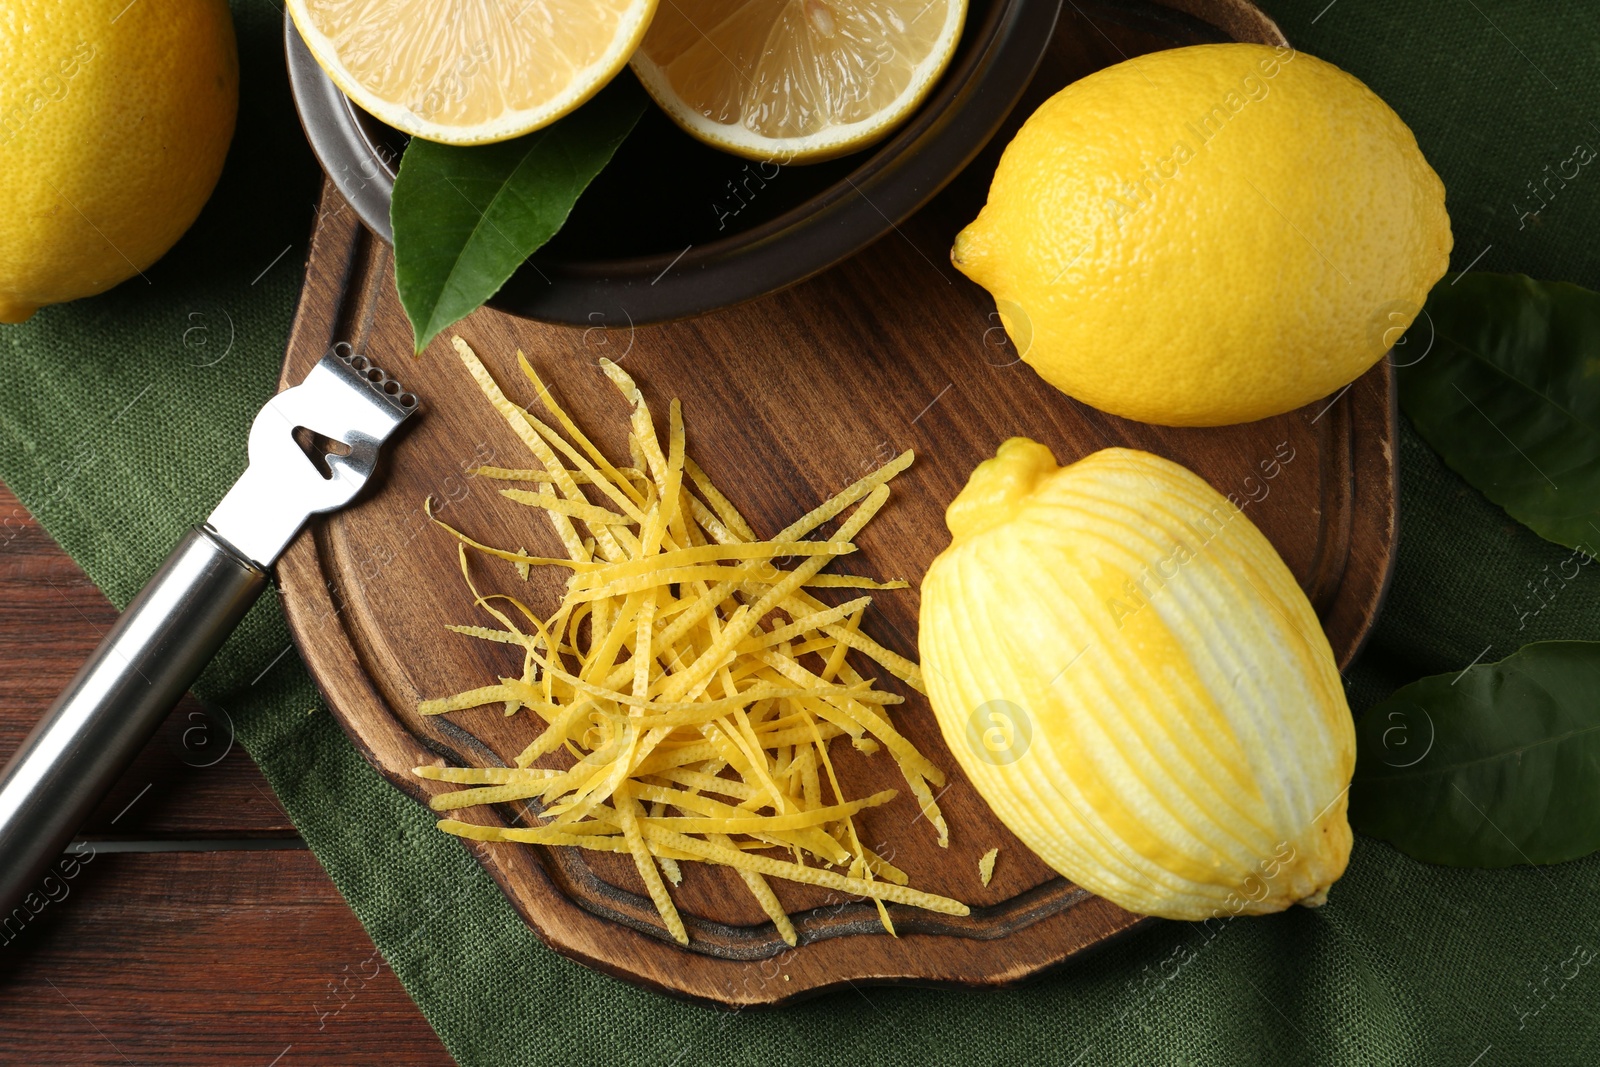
{"x":796,"y":80}
{"x":467,"y":72}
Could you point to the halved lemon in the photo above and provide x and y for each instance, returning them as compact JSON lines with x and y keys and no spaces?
{"x":471,"y":71}
{"x":795,"y":80}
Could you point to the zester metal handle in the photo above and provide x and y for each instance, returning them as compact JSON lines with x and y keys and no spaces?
{"x":116,"y":702}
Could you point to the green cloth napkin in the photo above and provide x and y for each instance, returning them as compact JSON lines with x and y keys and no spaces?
{"x":124,"y":418}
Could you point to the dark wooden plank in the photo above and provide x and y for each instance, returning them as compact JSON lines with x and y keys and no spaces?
{"x":176,"y":958}
{"x":787,"y":399}
{"x":192,"y":779}
{"x":204,"y":958}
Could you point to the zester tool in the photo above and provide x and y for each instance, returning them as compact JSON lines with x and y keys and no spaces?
{"x":312,"y":448}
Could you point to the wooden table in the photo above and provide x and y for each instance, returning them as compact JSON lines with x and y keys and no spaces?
{"x":199,"y":930}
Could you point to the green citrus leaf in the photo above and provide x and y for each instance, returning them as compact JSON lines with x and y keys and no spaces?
{"x":465,"y":218}
{"x":1509,"y":395}
{"x":1492,"y":767}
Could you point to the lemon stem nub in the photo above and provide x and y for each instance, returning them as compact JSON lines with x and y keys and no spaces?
{"x":998,"y":486}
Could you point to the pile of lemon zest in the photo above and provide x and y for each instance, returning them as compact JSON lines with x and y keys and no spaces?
{"x":688,"y":670}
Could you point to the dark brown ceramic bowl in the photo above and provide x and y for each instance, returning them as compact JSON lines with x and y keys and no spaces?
{"x":674,"y":228}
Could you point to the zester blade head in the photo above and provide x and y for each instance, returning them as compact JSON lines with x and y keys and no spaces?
{"x":348,"y":402}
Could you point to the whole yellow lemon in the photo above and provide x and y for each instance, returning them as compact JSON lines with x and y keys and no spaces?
{"x":1209,"y":235}
{"x":115,"y":118}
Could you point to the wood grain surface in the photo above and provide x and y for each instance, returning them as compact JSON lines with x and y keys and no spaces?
{"x":205,"y":959}
{"x":227,"y":957}
{"x":787,"y":399}
{"x":191,"y":780}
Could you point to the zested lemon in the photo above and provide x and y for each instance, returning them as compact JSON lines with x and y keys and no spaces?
{"x":796,"y":80}
{"x":1130,"y":676}
{"x":115,"y":119}
{"x":1209,"y":235}
{"x":467,"y":72}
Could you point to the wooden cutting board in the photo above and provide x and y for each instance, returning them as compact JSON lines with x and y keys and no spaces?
{"x":787,"y":399}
